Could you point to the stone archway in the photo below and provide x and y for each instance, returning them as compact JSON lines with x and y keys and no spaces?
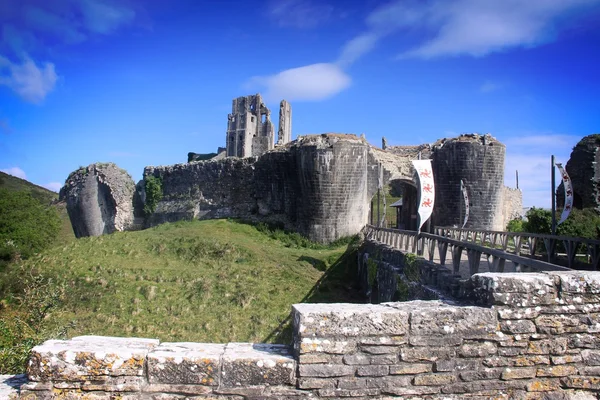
{"x":400,"y":205}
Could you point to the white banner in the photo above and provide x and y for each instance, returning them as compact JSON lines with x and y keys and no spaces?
{"x":568,"y":193}
{"x":463,"y":188}
{"x":426,"y":190}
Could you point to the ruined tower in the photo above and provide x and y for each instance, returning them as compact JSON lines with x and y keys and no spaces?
{"x":285,"y":123}
{"x":250,"y":131}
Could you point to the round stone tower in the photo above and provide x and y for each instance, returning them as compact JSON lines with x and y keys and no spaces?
{"x":479,"y":161}
{"x":332,"y":180}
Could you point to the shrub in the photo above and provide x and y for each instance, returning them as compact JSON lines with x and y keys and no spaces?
{"x":581,"y":223}
{"x":26,"y":225}
{"x":23,"y":318}
{"x":515,"y":225}
{"x":154,"y":193}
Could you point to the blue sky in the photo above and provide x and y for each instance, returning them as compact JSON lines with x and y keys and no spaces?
{"x":144,"y":82}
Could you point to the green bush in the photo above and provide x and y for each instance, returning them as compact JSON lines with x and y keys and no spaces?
{"x":26,"y":225}
{"x":154,"y":193}
{"x":23,"y":318}
{"x":515,"y":225}
{"x":581,"y":223}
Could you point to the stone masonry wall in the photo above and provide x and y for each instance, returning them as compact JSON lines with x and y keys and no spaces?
{"x":512,"y":205}
{"x":524,"y":336}
{"x":479,"y":161}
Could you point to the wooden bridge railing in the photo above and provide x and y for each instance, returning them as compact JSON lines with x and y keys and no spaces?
{"x":522,"y":243}
{"x":419,"y":243}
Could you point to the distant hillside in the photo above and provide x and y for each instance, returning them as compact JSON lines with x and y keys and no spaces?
{"x":44,"y":196}
{"x":13,"y":183}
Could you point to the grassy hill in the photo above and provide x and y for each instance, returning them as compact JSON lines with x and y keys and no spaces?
{"x":44,"y":196}
{"x":207,"y":281}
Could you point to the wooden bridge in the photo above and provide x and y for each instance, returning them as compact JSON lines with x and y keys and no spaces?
{"x":523,"y":252}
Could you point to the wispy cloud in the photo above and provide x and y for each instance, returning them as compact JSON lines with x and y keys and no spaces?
{"x":30,"y":81}
{"x":464,"y":27}
{"x":530,"y":154}
{"x":5,"y":126}
{"x":15,"y":171}
{"x":54,"y":186}
{"x":302,"y":14}
{"x":30,"y":27}
{"x":309,"y":83}
{"x":489,"y":86}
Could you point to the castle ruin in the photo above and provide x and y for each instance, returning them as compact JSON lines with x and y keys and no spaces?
{"x":250,"y":131}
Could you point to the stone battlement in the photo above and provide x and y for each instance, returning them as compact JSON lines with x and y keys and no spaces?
{"x":526,"y":336}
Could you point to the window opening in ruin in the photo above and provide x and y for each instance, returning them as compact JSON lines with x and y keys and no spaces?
{"x":252,"y":119}
{"x":264,"y":118}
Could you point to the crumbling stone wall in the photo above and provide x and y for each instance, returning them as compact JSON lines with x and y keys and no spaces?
{"x":512,"y":205}
{"x":583,"y":168}
{"x":99,"y":199}
{"x":318,"y":185}
{"x":525,"y":336}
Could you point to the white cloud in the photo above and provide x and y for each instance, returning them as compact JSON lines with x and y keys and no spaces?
{"x":355,"y":48}
{"x":465,"y":27}
{"x":103,"y":17}
{"x":309,"y":83}
{"x":54,"y":186}
{"x":489,"y":86}
{"x":31,"y":82}
{"x":530,"y":155}
{"x":15,"y":171}
{"x":299,"y":13}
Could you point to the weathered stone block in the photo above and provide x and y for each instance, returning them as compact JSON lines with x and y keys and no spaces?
{"x":410,"y":369}
{"x":435,"y":340}
{"x":518,"y":313}
{"x":354,"y":359}
{"x":557,"y":370}
{"x":246,"y":364}
{"x":315,"y":383}
{"x":591,"y":357}
{"x":379,"y":350}
{"x":518,"y":326}
{"x":543,"y":385}
{"x":556,"y":346}
{"x":584,"y":341}
{"x":347,"y":320}
{"x":177,"y":388}
{"x":384,"y":359}
{"x":558,"y":324}
{"x":581,"y":382}
{"x":566,"y":359}
{"x":88,"y":356}
{"x":481,"y":374}
{"x":416,"y":354}
{"x":330,"y":346}
{"x":444,"y":320}
{"x":518,"y":282}
{"x":319,"y":358}
{"x":373,"y":370}
{"x":578,"y":281}
{"x":454,"y":364}
{"x":434,"y":379}
{"x":518,"y":373}
{"x":325,"y":370}
{"x":477,"y":349}
{"x":363,"y":393}
{"x":479,"y":386}
{"x":185,"y":363}
{"x":351,"y":383}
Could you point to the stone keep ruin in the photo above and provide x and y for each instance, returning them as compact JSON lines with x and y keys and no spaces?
{"x":318,"y":185}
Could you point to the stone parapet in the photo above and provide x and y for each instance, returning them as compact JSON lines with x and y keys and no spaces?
{"x":524,"y":336}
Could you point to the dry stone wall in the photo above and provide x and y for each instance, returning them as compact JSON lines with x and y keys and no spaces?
{"x":525,"y":336}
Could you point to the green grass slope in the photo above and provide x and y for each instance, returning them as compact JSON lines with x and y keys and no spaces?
{"x":207,"y":281}
{"x":46,"y":197}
